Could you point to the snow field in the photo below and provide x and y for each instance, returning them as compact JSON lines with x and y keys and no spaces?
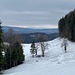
{"x":55,"y":62}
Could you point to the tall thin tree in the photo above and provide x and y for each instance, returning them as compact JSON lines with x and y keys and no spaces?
{"x":1,"y":48}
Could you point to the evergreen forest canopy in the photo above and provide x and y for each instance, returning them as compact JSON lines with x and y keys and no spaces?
{"x":67,"y":26}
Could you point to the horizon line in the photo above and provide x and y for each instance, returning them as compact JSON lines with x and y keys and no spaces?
{"x":47,"y":26}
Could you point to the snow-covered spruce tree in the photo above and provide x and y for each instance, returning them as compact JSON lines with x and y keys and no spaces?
{"x":1,"y":48}
{"x":33,"y":49}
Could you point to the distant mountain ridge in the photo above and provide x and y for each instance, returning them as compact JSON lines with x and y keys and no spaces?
{"x":29,"y":34}
{"x":19,"y":30}
{"x":28,"y":38}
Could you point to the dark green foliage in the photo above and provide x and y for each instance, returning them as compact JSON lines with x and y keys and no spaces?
{"x":13,"y":51}
{"x":7,"y":58}
{"x":13,"y":55}
{"x":17,"y":54}
{"x":1,"y":61}
{"x":21,"y":55}
{"x":1,"y":48}
{"x":61,"y":25}
{"x":67,"y":26}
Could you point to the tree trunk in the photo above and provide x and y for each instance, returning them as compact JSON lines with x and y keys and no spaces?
{"x":65,"y":48}
{"x":42,"y":53}
{"x":36,"y":52}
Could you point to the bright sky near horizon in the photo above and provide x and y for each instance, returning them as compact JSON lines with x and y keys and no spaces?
{"x":34,"y":13}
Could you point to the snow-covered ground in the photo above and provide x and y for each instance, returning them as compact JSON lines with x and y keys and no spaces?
{"x":55,"y":62}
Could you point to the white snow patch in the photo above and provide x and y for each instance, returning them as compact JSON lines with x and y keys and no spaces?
{"x":55,"y":62}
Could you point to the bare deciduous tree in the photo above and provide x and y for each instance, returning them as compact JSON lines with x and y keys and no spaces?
{"x":43,"y":43}
{"x":64,"y":44}
{"x":11,"y":37}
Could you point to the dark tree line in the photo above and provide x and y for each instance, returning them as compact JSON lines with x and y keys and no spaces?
{"x":11,"y":54}
{"x":66,"y":26}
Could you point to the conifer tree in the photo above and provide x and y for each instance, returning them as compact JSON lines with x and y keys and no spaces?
{"x":1,"y":48}
{"x":7,"y":58}
{"x":33,"y":49}
{"x":17,"y":54}
{"x":21,"y":55}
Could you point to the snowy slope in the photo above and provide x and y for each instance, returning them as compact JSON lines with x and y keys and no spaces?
{"x":55,"y":62}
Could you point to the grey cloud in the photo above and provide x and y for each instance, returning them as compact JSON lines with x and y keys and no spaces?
{"x":33,"y":12}
{"x":37,"y":4}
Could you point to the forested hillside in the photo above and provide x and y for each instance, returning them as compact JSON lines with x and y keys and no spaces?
{"x":67,"y":26}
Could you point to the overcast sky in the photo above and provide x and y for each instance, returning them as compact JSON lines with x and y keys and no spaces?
{"x":34,"y":13}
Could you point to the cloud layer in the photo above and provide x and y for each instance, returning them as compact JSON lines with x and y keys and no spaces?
{"x":34,"y":13}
